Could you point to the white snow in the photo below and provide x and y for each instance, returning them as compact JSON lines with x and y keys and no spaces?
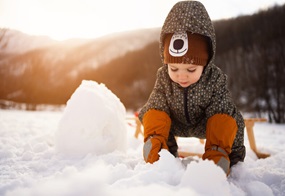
{"x":93,"y":122}
{"x":51,"y":153}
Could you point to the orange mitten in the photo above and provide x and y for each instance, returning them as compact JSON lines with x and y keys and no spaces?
{"x":220,"y":134}
{"x":152,"y":147}
{"x":156,"y":131}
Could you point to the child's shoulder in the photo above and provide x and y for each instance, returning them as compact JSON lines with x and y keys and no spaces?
{"x":162,"y":70}
{"x":215,"y":70}
{"x":214,"y":74}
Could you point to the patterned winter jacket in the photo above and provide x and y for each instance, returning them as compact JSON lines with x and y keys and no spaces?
{"x":190,"y":108}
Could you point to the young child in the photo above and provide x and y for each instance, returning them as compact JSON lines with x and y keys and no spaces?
{"x":190,"y":97}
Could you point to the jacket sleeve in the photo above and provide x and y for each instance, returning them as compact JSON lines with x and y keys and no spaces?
{"x":157,"y":99}
{"x":222,"y":103}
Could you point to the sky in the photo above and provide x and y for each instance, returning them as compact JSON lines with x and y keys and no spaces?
{"x":64,"y":19}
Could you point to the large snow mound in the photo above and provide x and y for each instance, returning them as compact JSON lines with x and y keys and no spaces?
{"x":93,"y":122}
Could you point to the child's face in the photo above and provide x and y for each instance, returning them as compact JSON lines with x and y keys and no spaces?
{"x":185,"y":74}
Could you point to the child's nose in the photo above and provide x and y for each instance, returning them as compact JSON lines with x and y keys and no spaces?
{"x":182,"y":75}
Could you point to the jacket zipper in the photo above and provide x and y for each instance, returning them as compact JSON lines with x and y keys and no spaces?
{"x":186,"y":105}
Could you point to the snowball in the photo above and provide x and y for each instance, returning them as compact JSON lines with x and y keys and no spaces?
{"x":167,"y":162}
{"x":93,"y":122}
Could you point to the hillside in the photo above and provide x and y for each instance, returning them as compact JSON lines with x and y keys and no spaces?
{"x":50,"y":74}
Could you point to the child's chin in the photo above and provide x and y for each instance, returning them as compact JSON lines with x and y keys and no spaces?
{"x":184,"y":85}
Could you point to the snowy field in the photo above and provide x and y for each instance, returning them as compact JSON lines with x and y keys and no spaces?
{"x":90,"y":149}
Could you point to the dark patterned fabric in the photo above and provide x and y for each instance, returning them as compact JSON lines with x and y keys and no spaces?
{"x":188,"y":16}
{"x":190,"y":108}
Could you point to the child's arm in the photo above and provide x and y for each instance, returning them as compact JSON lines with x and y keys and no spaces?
{"x":155,"y":119}
{"x":221,"y":128}
{"x":156,"y":130}
{"x":220,"y":134}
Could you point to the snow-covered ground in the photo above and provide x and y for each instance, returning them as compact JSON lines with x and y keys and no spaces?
{"x":52,"y":153}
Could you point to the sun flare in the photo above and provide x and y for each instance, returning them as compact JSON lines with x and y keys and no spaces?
{"x":64,"y":19}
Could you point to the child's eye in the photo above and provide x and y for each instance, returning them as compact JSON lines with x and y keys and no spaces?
{"x":191,"y":70}
{"x":173,"y":69}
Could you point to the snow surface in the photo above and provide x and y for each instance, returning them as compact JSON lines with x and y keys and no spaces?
{"x":51,"y":153}
{"x":95,"y":117}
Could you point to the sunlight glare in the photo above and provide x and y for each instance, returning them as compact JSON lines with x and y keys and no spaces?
{"x":65,"y":19}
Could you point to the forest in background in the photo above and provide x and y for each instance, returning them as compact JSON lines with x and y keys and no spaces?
{"x":250,"y":50}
